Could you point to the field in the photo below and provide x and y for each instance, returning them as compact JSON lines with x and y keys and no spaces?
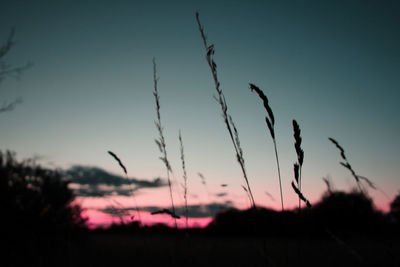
{"x":129,"y":250}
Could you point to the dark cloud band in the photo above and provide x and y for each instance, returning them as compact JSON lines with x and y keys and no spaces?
{"x":195,"y":211}
{"x":96,"y":182}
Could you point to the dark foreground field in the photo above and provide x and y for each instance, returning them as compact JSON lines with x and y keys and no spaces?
{"x":105,"y":249}
{"x":167,"y":249}
{"x":40,"y":227}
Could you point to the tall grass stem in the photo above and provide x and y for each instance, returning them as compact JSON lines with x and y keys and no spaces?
{"x":279,"y":173}
{"x":233,"y":133}
{"x":185,"y":185}
{"x":161,"y":141}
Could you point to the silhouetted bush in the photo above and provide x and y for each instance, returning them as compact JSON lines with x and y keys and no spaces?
{"x":261,"y":222}
{"x":35,"y":198}
{"x":346,"y":214}
{"x":38,"y":218}
{"x":395,"y":209}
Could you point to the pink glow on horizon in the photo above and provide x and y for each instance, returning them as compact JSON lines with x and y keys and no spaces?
{"x":100,"y":219}
{"x":145,"y":198}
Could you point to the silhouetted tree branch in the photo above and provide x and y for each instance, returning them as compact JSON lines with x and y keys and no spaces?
{"x":8,"y":70}
{"x":11,"y":105}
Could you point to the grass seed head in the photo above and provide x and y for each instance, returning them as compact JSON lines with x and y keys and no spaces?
{"x":265,"y":102}
{"x":119,"y":162}
{"x":339,"y":147}
{"x":297,"y":144}
{"x":296,"y":172}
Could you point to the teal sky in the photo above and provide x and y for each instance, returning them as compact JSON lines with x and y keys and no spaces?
{"x":334,"y":66}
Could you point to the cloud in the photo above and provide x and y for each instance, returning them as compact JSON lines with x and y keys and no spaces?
{"x":100,"y":191}
{"x":195,"y":211}
{"x":88,"y":181}
{"x":200,"y":211}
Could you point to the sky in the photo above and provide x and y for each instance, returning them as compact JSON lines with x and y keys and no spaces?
{"x":331,"y":65}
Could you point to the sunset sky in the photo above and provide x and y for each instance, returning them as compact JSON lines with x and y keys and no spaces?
{"x":334,"y":66}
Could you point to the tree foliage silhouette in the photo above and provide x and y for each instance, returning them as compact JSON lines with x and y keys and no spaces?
{"x":35,"y":200}
{"x":395,"y":208}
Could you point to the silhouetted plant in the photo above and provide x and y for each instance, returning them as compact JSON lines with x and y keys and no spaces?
{"x":270,"y":120}
{"x":298,"y":166}
{"x":204,"y":183}
{"x":328,"y":183}
{"x":8,"y":70}
{"x":395,"y":208}
{"x":185,"y":185}
{"x":230,"y":126}
{"x":127,"y":178}
{"x":347,"y":212}
{"x":39,"y":220}
{"x":337,"y":215}
{"x":203,"y":180}
{"x":347,"y":165}
{"x":34,"y":198}
{"x":161,"y":141}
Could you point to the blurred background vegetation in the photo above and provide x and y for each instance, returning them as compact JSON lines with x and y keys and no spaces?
{"x":39,"y":220}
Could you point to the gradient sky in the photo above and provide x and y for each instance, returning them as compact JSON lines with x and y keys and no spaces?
{"x":334,"y":66}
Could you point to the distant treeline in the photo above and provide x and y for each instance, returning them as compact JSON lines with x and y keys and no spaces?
{"x":337,"y":214}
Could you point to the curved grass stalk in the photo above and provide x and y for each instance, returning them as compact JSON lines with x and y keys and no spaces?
{"x":270,"y":120}
{"x":112,"y":154}
{"x":185,"y":187}
{"x":233,"y":133}
{"x":161,"y":141}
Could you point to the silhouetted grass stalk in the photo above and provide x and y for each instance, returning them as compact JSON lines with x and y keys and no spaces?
{"x":161,"y":141}
{"x":299,"y":152}
{"x":185,"y":187}
{"x":126,"y":176}
{"x":270,"y":120}
{"x":297,"y":166}
{"x":347,"y":165}
{"x":227,"y":118}
{"x":204,"y":183}
{"x":329,"y":187}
